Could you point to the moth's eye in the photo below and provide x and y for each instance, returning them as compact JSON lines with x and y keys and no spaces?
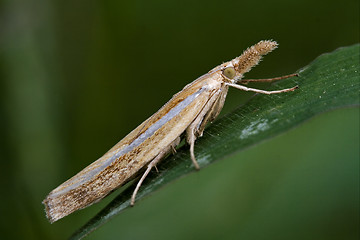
{"x":229,"y":72}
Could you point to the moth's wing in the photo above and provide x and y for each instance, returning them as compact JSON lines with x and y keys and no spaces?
{"x":131,"y":154}
{"x":103,"y":161}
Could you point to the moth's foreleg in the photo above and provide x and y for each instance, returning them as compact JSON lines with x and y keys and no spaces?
{"x":246,"y":81}
{"x":261,"y":91}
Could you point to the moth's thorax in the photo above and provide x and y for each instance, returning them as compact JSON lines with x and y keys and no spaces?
{"x":213,"y":80}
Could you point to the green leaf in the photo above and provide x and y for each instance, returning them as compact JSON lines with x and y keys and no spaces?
{"x":331,"y":81}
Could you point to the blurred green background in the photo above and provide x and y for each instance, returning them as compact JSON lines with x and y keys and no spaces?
{"x":77,"y":76}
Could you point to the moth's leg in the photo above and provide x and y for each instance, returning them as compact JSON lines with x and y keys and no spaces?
{"x":261,"y":91}
{"x":148,"y":169}
{"x":173,"y":150}
{"x":191,"y":140}
{"x":214,"y":110}
{"x":246,"y":81}
{"x":196,"y":128}
{"x":152,"y":164}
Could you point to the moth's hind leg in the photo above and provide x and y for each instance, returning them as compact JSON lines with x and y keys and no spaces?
{"x":152,"y":164}
{"x":148,"y":169}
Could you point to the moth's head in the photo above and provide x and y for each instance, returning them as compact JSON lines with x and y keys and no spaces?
{"x":235,"y":69}
{"x":229,"y":72}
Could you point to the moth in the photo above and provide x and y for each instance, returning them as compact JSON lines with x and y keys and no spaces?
{"x":186,"y":114}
